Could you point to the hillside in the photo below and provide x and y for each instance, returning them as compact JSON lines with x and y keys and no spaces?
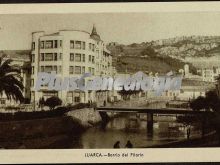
{"x":148,"y":64}
{"x":164,"y":55}
{"x":145,"y":59}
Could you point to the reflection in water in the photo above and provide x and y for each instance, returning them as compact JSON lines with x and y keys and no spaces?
{"x":134,"y":128}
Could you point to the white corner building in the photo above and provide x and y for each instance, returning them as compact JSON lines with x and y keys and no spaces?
{"x":69,"y":53}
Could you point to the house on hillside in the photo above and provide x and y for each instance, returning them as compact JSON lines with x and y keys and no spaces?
{"x":192,"y":89}
{"x":209,"y":74}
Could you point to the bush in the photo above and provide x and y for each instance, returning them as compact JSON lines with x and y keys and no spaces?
{"x":27,"y":101}
{"x":53,"y":101}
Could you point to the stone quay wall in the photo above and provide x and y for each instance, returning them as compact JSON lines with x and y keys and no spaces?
{"x":39,"y":133}
{"x":86,"y":116}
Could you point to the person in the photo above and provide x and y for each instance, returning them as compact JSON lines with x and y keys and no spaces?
{"x":42,"y":102}
{"x":39,"y":103}
{"x":117,"y":144}
{"x":104,"y":104}
{"x":129,"y":144}
{"x":188,"y":131}
{"x":89,"y":103}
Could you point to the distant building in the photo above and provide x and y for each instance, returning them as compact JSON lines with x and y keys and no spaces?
{"x":181,"y":71}
{"x":210,"y":74}
{"x":113,"y":44}
{"x":192,"y":89}
{"x":186,"y":70}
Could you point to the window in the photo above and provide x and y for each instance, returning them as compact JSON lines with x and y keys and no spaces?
{"x":55,"y":68}
{"x":71,"y":57}
{"x":83,"y":69}
{"x":70,"y":97}
{"x":90,"y":46}
{"x":32,"y":69}
{"x":90,"y":70}
{"x":77,"y":96}
{"x":32,"y":82}
{"x":55,"y":56}
{"x":48,"y":94}
{"x":93,"y":47}
{"x":84,"y":45}
{"x":78,"y":57}
{"x":71,"y":44}
{"x":42,"y":44}
{"x":83,"y":58}
{"x":71,"y":69}
{"x":77,"y":70}
{"x":48,"y":68}
{"x":3,"y":102}
{"x":33,"y":45}
{"x":59,"y":69}
{"x":69,"y":94}
{"x":42,"y":56}
{"x":55,"y":43}
{"x":77,"y":45}
{"x":60,"y":57}
{"x":93,"y":71}
{"x":60,"y":43}
{"x":97,"y":52}
{"x":90,"y":58}
{"x":77,"y":99}
{"x":49,"y":44}
{"x":48,"y":57}
{"x":93,"y":59}
{"x":32,"y":58}
{"x":42,"y":68}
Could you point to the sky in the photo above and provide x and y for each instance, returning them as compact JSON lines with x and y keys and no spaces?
{"x":125,"y":28}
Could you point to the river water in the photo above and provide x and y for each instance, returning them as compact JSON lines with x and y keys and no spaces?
{"x":124,"y":128}
{"x":129,"y":127}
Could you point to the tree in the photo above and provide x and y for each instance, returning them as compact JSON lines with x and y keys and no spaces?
{"x":148,"y":51}
{"x":126,"y":94}
{"x":10,"y":80}
{"x":53,"y":101}
{"x":209,"y":102}
{"x":41,"y":102}
{"x":212,"y":100}
{"x":199,"y":103}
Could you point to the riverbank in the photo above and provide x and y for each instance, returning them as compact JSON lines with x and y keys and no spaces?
{"x":209,"y":140}
{"x":89,"y":117}
{"x":48,"y":132}
{"x":56,"y":132}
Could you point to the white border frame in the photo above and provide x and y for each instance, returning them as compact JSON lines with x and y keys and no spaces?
{"x":78,"y":155}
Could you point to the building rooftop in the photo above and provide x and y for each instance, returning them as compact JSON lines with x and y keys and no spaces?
{"x":189,"y":82}
{"x":94,"y":35}
{"x":53,"y":34}
{"x":57,"y":33}
{"x":75,"y":30}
